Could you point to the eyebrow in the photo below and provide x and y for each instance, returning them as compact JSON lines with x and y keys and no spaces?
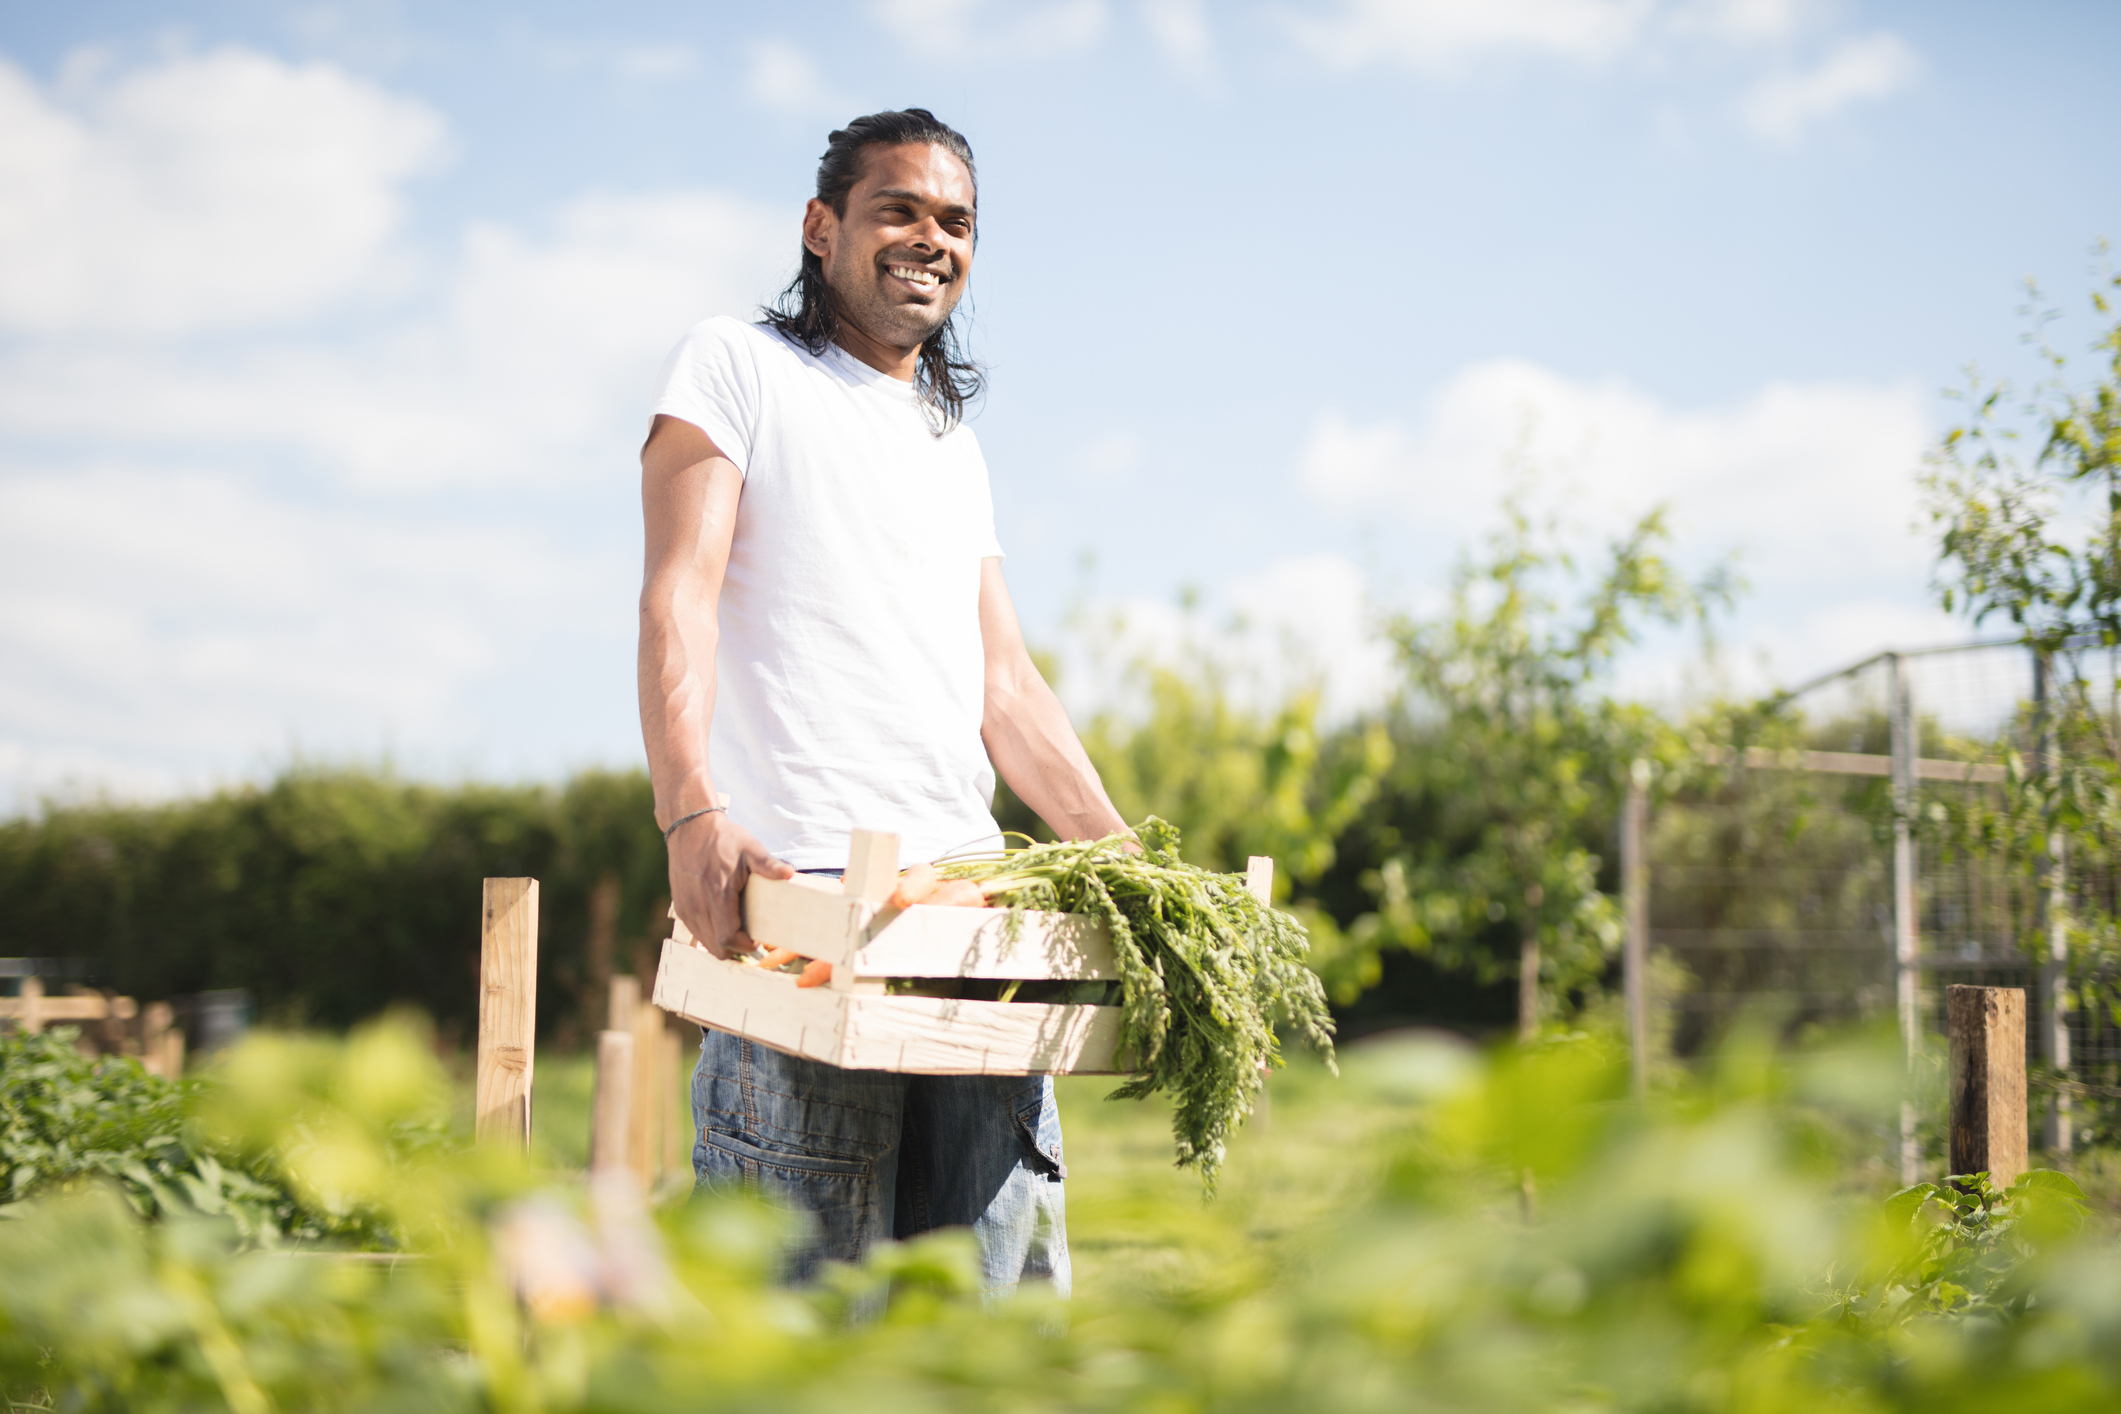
{"x":903,"y":195}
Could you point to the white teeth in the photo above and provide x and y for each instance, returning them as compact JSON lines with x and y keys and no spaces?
{"x":914,"y":274}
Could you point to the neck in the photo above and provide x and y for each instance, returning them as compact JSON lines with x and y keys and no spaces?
{"x":885,"y":358}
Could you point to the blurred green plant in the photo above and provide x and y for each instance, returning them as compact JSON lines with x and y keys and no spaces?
{"x":1531,"y":1241}
{"x":67,"y":1119}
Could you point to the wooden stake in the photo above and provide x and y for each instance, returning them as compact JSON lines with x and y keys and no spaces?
{"x":625,"y":1001}
{"x":677,"y":1106}
{"x":611,"y":1112}
{"x":1635,"y":909}
{"x":644,"y":1138}
{"x":1987,"y":1029}
{"x":156,"y":1020}
{"x":1528,"y":984}
{"x":508,"y":1010}
{"x":31,"y":1018}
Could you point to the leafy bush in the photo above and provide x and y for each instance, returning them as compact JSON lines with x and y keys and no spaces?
{"x":67,"y":1118}
{"x":1533,"y":1241}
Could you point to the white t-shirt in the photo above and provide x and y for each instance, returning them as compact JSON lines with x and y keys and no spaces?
{"x":850,"y":677}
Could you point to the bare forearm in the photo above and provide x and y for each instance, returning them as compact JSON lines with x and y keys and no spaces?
{"x":1035,"y":749}
{"x":676,"y":673}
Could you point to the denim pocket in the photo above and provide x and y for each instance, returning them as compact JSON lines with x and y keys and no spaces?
{"x":759,"y":1165}
{"x":1038,"y":1125}
{"x":840,"y":1194}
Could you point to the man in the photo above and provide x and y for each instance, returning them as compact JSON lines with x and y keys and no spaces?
{"x":826,"y":637}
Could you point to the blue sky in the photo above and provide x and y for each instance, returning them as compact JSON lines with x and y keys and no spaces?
{"x":327,"y":329}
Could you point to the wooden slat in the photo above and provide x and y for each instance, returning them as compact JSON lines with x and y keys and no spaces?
{"x":806,"y":913}
{"x":1860,"y":763}
{"x":750,"y":1001}
{"x":508,"y":1009}
{"x":971,"y":942}
{"x":931,"y":1036}
{"x":611,"y":1110}
{"x":872,"y":865}
{"x":1259,"y":878}
{"x":50,"y":1009}
{"x":919,"y":1035}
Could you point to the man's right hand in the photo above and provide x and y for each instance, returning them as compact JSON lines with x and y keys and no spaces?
{"x":710,"y":858}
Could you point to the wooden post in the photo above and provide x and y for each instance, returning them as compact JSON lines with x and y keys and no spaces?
{"x":161,"y":1043}
{"x":625,"y":1001}
{"x":602,"y":941}
{"x":611,"y":1112}
{"x":644,"y":1133}
{"x":677,"y":1104}
{"x":508,"y":1011}
{"x":1987,"y":1028}
{"x":2057,"y":1131}
{"x":1528,"y":983}
{"x":1635,"y":906}
{"x":32,"y":1018}
{"x":1907,"y":979}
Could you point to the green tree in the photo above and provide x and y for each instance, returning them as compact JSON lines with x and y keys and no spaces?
{"x":2035,"y":540}
{"x":1488,"y":854}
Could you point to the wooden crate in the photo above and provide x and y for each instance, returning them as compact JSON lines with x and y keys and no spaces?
{"x":850,"y":1022}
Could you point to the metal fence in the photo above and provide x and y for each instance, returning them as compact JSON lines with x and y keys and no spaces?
{"x":1817,"y":884}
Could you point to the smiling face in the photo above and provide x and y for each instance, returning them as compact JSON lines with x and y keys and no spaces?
{"x":898,"y":258}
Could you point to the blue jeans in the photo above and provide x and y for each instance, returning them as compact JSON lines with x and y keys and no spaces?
{"x":873,"y":1155}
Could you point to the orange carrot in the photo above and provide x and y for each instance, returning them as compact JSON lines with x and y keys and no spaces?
{"x":915,"y":885}
{"x":778,"y":957}
{"x":958,"y":893}
{"x":817,"y":974}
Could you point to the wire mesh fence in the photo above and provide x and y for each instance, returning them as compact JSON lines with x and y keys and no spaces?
{"x":1779,"y":889}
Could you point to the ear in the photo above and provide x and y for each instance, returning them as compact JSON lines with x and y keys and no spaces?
{"x":820,"y":228}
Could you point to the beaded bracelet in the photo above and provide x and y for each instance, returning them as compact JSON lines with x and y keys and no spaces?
{"x":673,"y":826}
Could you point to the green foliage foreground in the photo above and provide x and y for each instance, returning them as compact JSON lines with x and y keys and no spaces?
{"x":1531,"y":1240}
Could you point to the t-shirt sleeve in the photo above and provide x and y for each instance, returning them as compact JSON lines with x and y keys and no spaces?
{"x":711,"y":381}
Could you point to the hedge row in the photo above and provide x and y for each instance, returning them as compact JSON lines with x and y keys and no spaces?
{"x":331,"y":894}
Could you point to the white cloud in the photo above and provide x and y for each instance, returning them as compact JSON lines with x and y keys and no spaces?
{"x":1295,"y":623}
{"x":1447,"y":37}
{"x":782,"y":76}
{"x":536,"y":368}
{"x":1813,"y":483}
{"x":1874,"y":66}
{"x":207,"y":191}
{"x":1440,"y":36}
{"x":157,"y":623}
{"x":1180,"y":30}
{"x":958,"y":29}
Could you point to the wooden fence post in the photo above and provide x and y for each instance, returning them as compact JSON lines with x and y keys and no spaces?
{"x":644,"y":1136}
{"x":508,"y":1011}
{"x":1635,"y":912}
{"x":677,"y":1149}
{"x":1987,"y":1030}
{"x":611,"y":1112}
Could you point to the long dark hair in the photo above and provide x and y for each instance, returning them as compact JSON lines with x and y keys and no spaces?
{"x":947,"y":378}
